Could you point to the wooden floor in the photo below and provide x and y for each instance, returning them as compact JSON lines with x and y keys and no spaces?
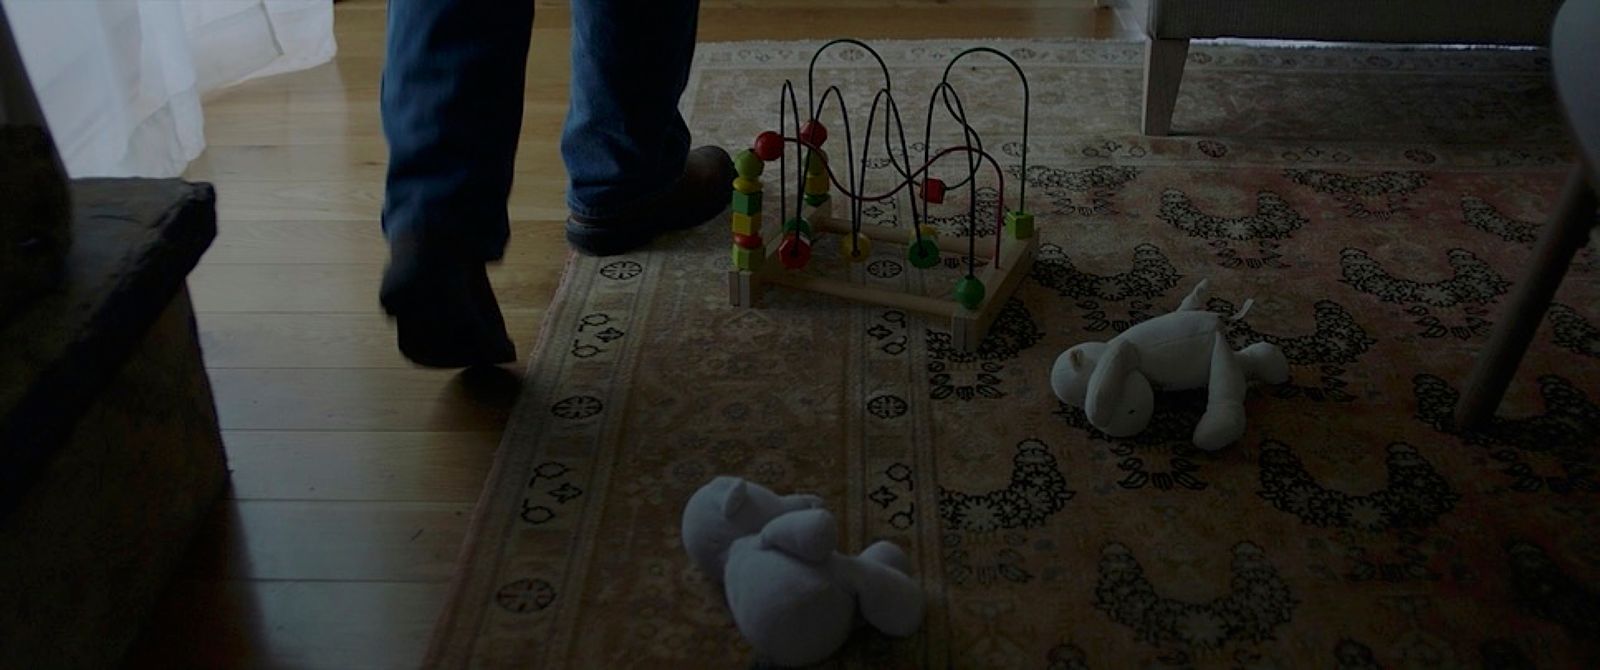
{"x":354,"y":473}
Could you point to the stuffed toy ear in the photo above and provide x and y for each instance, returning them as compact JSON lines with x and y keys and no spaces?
{"x":734,"y":499}
{"x":1106,"y":384}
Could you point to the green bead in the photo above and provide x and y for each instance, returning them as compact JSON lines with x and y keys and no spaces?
{"x":816,"y":199}
{"x":747,"y":259}
{"x":748,"y":164}
{"x":797,"y":224}
{"x":747,"y":203}
{"x":1019,"y":224}
{"x":969,"y":292}
{"x":923,"y":254}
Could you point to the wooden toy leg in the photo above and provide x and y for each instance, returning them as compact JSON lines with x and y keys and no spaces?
{"x":821,"y":217}
{"x":969,"y":327}
{"x":744,"y":288}
{"x":965,"y":333}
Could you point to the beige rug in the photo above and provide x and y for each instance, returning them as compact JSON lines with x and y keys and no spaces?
{"x":1376,"y":205}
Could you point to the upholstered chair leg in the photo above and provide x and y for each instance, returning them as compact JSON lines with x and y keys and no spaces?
{"x":1564,"y":234}
{"x":1163,"y":71}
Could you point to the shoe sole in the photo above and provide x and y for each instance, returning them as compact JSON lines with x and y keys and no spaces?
{"x":611,"y":241}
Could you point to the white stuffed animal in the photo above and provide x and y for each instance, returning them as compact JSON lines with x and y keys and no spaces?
{"x":793,"y":596}
{"x":1112,"y":381}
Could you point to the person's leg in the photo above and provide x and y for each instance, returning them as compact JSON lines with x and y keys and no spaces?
{"x":452,"y":109}
{"x":625,"y":145}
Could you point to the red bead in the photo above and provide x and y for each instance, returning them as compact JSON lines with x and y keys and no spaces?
{"x":769,"y":146}
{"x":813,"y":133}
{"x":794,"y":252}
{"x":933,"y":190}
{"x":747,"y":241}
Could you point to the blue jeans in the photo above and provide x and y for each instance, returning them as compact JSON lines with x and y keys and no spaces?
{"x":452,"y":109}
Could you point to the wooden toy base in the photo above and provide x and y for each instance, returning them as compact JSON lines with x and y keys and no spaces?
{"x":967,"y":326}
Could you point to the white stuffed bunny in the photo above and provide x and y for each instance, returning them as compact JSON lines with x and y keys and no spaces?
{"x":1114,"y":381}
{"x":793,"y":596}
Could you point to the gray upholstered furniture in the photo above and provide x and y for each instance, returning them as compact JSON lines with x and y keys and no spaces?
{"x":1172,"y":23}
{"x":1575,"y":66}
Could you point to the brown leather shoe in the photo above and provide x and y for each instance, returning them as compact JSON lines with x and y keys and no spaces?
{"x":701,"y":193}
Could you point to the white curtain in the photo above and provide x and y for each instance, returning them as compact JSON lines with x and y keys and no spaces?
{"x":120,"y":81}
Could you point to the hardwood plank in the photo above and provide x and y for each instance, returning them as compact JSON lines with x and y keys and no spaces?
{"x":752,"y":20}
{"x":319,"y":340}
{"x":374,"y":399}
{"x":534,"y":197}
{"x":329,"y":541}
{"x":360,"y":466}
{"x":323,"y":242}
{"x":301,"y":625}
{"x":347,"y":288}
{"x":252,"y":164}
{"x":294,"y":242}
{"x":246,"y":165}
{"x":342,"y":121}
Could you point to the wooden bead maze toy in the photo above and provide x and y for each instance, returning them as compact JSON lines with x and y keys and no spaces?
{"x":761,"y":260}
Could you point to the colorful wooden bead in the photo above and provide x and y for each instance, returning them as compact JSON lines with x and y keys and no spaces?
{"x":1019,"y":224}
{"x":924,"y":254}
{"x":813,"y":133}
{"x":969,"y":292}
{"x":816,"y":183}
{"x":928,"y":231}
{"x":817,"y":162}
{"x":933,"y":190}
{"x":816,"y":199}
{"x":747,"y":241}
{"x":797,"y":225}
{"x":855,"y":248}
{"x":794,"y":252}
{"x":746,"y":224}
{"x":747,"y":203}
{"x":746,"y":185}
{"x":748,"y":164}
{"x":748,"y":259}
{"x":769,"y":146}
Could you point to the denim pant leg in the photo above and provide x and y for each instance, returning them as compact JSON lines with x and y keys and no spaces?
{"x":624,"y":139}
{"x":452,"y":109}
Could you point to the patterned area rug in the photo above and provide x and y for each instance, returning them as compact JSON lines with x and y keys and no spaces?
{"x":1376,"y":206}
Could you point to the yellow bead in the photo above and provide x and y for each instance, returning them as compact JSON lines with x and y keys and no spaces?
{"x":928,"y":232}
{"x":817,"y":183}
{"x":747,"y":224}
{"x":857,"y":252}
{"x":818,"y":164}
{"x":744,"y":185}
